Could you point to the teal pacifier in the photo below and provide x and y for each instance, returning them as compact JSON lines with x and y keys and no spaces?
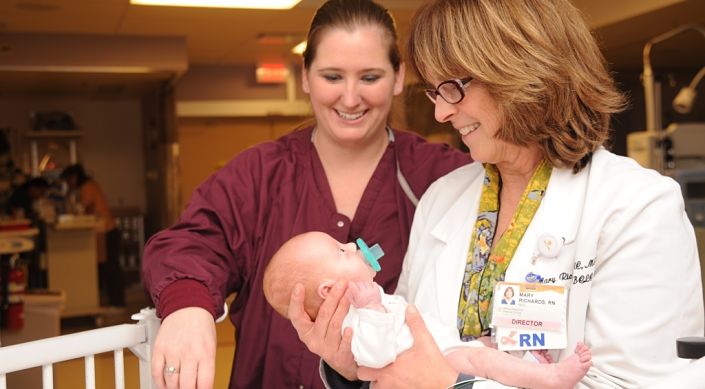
{"x":371,"y":254}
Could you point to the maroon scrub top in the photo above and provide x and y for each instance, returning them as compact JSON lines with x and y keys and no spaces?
{"x":240,"y":216}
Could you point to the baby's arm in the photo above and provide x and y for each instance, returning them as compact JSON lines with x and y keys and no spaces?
{"x":378,"y":335}
{"x":365,"y":295}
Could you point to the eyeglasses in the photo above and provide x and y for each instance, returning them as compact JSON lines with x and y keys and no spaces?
{"x":452,"y":91}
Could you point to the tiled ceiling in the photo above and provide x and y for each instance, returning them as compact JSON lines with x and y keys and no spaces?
{"x":229,"y":36}
{"x":233,"y":37}
{"x":214,"y":36}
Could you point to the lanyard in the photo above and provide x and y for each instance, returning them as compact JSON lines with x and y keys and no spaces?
{"x":486,"y":266}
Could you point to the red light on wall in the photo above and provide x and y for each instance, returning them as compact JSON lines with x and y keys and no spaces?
{"x":272,"y":73}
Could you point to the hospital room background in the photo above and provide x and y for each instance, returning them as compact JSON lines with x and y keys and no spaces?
{"x":151,"y":100}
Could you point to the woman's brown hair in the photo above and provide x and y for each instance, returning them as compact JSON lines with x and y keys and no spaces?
{"x":349,"y":14}
{"x":538,"y":60}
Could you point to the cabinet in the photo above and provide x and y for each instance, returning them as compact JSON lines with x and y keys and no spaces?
{"x":73,"y":266}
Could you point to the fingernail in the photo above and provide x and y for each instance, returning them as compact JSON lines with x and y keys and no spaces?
{"x":411,"y":309}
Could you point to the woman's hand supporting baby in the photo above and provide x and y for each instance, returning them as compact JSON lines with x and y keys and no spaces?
{"x":421,"y":366}
{"x":323,"y":336}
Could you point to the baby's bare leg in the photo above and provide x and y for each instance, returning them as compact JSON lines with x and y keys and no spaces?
{"x":512,"y":371}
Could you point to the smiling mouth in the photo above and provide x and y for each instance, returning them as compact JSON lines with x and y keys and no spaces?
{"x":468,"y":129}
{"x":350,"y":116}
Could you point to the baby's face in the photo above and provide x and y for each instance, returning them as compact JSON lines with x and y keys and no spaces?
{"x":348,"y":261}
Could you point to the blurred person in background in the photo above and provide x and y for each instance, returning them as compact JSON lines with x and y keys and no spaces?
{"x":21,"y":203}
{"x":28,"y":201}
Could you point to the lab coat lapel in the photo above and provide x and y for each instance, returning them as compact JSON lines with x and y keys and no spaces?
{"x":559,"y":215}
{"x":453,"y":231}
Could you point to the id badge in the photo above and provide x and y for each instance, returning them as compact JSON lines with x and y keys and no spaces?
{"x":529,"y":316}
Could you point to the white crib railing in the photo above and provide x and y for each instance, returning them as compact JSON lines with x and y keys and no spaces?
{"x":137,"y":337}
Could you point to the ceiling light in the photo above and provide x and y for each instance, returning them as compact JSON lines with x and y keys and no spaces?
{"x":299,"y":49}
{"x":253,"y":4}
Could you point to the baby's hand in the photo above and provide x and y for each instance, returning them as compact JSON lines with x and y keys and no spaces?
{"x":542,"y":356}
{"x":365,"y":295}
{"x":487,"y":341}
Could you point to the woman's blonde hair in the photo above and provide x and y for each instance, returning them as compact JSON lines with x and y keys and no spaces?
{"x":538,"y":60}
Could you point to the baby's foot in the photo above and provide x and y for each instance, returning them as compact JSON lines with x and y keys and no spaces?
{"x":567,"y":373}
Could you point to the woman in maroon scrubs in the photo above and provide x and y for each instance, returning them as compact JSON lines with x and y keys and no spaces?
{"x":348,"y":175}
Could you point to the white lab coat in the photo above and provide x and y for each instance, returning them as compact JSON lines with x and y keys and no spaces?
{"x":640,"y":293}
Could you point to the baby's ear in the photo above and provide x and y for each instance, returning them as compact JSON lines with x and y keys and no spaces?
{"x":324,"y":288}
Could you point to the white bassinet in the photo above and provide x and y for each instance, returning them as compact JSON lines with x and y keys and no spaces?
{"x":138,"y":338}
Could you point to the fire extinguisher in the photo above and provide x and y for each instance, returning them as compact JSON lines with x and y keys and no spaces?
{"x":16,"y":285}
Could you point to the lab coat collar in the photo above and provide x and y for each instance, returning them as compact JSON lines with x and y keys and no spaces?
{"x":559,"y":214}
{"x":458,"y":213}
{"x":564,"y":196}
{"x":453,"y":231}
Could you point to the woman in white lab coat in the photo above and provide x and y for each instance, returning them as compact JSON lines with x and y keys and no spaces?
{"x":527,"y":88}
